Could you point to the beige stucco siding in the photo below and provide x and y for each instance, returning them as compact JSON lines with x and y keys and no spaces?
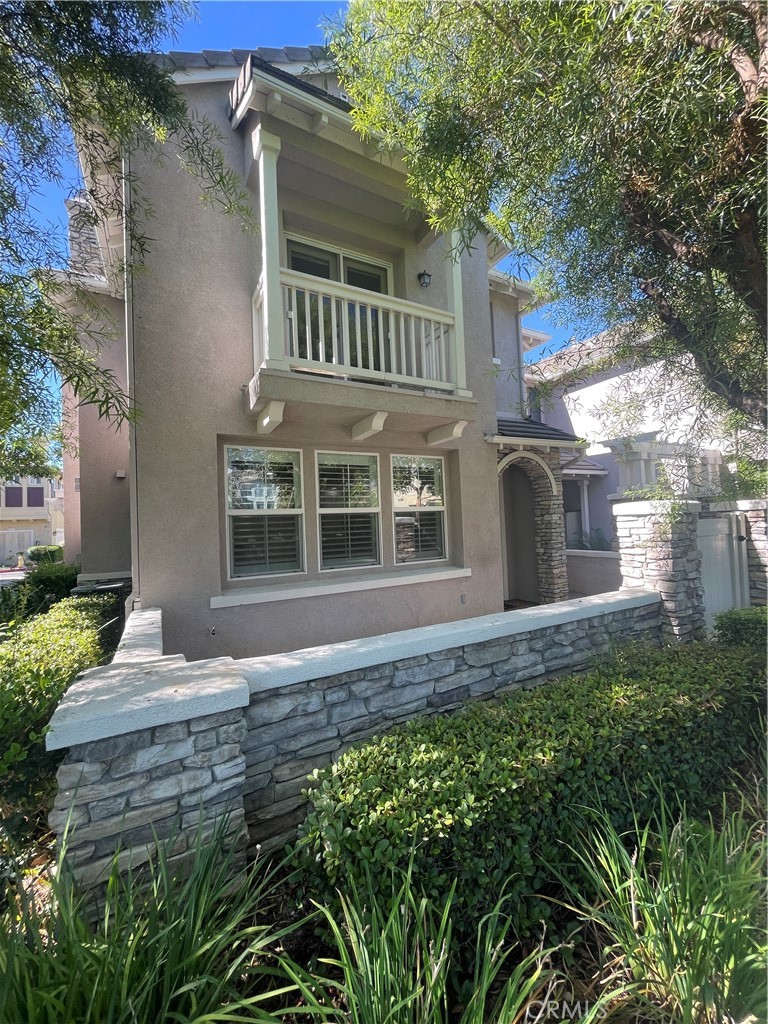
{"x":97,"y":519}
{"x":193,"y":356}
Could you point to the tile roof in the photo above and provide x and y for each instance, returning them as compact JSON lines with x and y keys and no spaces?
{"x":509,"y":426}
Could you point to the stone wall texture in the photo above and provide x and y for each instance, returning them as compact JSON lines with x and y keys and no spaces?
{"x":757,"y":550}
{"x":659,"y":551}
{"x":125,"y":794}
{"x":296,"y":728}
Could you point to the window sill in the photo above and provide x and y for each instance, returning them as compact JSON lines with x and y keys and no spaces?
{"x":347,"y":585}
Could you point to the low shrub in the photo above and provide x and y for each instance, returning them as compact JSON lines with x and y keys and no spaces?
{"x":38,"y":660}
{"x":485,"y":796}
{"x":176,"y":946}
{"x":45,"y":553}
{"x":680,"y":917}
{"x":48,"y":583}
{"x":742,"y":627}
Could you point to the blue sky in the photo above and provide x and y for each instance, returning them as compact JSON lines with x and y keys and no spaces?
{"x":242,"y":24}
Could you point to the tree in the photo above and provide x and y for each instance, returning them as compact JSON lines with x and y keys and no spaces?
{"x":619,"y":143}
{"x":77,"y":81}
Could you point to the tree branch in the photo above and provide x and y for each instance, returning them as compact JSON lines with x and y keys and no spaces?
{"x":717,"y":378}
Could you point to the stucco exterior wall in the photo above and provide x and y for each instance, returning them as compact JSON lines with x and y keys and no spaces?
{"x":193,"y":355}
{"x":103,"y":504}
{"x":510,"y":385}
{"x":70,"y":480}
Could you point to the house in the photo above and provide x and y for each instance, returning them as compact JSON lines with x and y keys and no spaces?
{"x":31,"y":512}
{"x":635,"y":435}
{"x":324,"y":450}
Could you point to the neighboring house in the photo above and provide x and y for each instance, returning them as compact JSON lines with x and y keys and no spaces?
{"x":325,"y":449}
{"x":31,"y":512}
{"x":571,"y":390}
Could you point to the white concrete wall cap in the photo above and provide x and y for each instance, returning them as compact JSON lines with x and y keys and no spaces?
{"x":317,"y":662}
{"x":122,"y":698}
{"x":653,"y":508}
{"x":142,"y":636}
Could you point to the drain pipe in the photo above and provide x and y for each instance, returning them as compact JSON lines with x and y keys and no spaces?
{"x":134,"y":599}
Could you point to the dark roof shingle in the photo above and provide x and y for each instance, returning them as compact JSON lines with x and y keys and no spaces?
{"x":509,"y":426}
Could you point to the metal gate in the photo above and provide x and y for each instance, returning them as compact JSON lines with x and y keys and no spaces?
{"x":724,"y":570}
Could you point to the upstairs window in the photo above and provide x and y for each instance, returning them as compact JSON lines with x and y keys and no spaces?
{"x":14,"y":497}
{"x":36,"y":497}
{"x":335,"y":265}
{"x":264,"y":511}
{"x":348,"y":500}
{"x":418,"y":502}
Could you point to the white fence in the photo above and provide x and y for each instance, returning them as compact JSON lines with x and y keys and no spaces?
{"x":724,"y":568}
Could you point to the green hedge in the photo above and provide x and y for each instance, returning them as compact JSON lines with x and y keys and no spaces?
{"x":46,"y":553}
{"x":38,"y":660}
{"x":48,"y":583}
{"x":488,"y":796}
{"x":742,"y":627}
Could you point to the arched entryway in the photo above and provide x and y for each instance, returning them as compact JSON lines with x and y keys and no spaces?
{"x":532,"y":528}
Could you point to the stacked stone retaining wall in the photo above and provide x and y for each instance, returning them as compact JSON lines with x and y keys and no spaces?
{"x":316,"y":713}
{"x":125,"y":794}
{"x":160,"y":749}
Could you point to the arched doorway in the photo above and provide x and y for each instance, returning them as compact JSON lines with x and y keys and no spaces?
{"x":518,"y":538}
{"x":532,"y":528}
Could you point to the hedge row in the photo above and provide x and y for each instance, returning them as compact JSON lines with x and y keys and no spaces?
{"x":48,"y":583}
{"x":489,"y":796}
{"x":38,"y":660}
{"x":742,"y":627}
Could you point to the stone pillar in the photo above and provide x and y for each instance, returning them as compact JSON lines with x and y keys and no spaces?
{"x":550,"y":527}
{"x":154,"y":755}
{"x":756,"y":511}
{"x":658,"y":548}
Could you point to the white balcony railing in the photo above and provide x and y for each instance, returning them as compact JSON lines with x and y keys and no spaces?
{"x":335,"y":328}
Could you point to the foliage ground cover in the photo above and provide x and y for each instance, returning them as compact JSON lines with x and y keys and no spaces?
{"x":485,"y":797}
{"x":742,"y":627}
{"x":49,"y":582}
{"x":39,"y":658}
{"x":679,"y":917}
{"x":667,"y":900}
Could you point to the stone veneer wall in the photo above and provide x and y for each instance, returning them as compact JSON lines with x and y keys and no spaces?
{"x":308,"y":706}
{"x":167,"y":783}
{"x":154,"y":755}
{"x":159,"y":748}
{"x":658,"y":550}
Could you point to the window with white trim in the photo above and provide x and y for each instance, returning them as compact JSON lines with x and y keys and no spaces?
{"x":418,"y":504}
{"x":264,"y":511}
{"x":348,"y":509}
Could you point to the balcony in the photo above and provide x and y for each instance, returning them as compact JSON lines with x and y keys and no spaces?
{"x":338,"y":330}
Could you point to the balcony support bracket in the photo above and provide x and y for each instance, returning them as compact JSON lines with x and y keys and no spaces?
{"x":450,"y":432}
{"x":369,"y":426}
{"x":270,"y":417}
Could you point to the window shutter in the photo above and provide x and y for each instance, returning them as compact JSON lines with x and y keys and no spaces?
{"x":265,"y":544}
{"x":349,"y":539}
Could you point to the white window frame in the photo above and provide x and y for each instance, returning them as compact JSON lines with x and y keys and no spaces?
{"x":443,"y":508}
{"x":346,"y":511}
{"x":230,"y":513}
{"x":342,"y":254}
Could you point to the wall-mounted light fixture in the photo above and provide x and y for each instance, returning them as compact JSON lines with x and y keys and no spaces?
{"x":425,"y":279}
